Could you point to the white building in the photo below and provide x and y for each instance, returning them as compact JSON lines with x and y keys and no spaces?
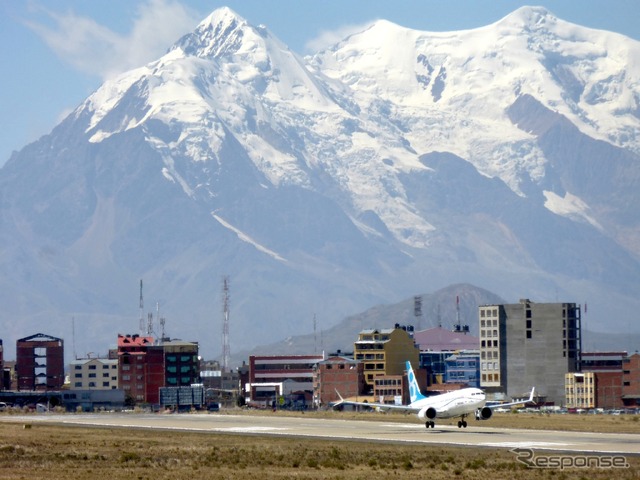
{"x":93,"y":374}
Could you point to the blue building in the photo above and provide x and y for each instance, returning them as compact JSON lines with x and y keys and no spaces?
{"x":463,"y":367}
{"x":434,"y":364}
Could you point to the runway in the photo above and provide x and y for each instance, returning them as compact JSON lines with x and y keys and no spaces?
{"x":476,"y":435}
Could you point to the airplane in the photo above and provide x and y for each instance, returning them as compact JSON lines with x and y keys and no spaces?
{"x":458,"y":403}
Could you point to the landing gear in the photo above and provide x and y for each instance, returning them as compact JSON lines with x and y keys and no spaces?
{"x":462,"y":424}
{"x":430,"y":424}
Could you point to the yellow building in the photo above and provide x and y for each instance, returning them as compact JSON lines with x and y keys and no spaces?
{"x":580,"y":390}
{"x":385,"y":352}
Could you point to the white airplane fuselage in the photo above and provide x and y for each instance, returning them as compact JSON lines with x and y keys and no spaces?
{"x":451,"y":404}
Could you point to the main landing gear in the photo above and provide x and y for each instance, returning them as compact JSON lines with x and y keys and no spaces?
{"x":430,"y":424}
{"x":462,"y":423}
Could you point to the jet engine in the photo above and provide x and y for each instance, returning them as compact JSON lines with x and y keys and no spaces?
{"x":484,"y":413}
{"x":427,"y":413}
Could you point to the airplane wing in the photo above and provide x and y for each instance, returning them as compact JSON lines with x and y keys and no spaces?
{"x":511,"y":404}
{"x":378,"y":406}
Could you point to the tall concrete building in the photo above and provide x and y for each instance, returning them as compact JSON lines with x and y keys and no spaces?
{"x":529,"y":344}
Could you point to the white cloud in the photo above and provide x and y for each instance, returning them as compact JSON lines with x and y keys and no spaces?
{"x":328,"y":38}
{"x":97,"y":50}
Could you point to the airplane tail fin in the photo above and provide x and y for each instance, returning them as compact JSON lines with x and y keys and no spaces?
{"x":338,"y":403}
{"x":533,"y":391}
{"x":414,"y":389}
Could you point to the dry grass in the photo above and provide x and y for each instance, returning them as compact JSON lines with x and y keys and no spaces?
{"x":63,"y":452}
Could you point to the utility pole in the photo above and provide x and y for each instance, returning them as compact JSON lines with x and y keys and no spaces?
{"x":141,"y":326}
{"x":226,"y":351}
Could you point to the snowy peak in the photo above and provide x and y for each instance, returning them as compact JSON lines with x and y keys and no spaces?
{"x":221,"y":34}
{"x":528,"y":19}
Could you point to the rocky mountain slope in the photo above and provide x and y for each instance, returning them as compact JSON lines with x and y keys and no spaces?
{"x":393,"y":163}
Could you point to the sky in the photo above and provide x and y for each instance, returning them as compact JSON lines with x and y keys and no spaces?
{"x":55,"y":53}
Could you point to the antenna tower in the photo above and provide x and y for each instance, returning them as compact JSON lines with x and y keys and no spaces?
{"x":73,"y":336}
{"x":141,"y":326}
{"x":417,"y":311}
{"x":162,"y":322}
{"x":226,"y":353}
{"x":315,"y":338}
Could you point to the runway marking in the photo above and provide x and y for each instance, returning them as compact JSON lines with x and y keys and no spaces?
{"x":523,"y":444}
{"x":249,"y":429}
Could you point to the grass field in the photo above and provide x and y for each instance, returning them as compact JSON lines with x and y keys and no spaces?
{"x":43,"y":451}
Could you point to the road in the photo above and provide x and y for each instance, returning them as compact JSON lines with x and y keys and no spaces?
{"x":273,"y":424}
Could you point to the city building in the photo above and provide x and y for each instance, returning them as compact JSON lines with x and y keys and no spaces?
{"x":93,"y":374}
{"x":580,"y":390}
{"x":337,"y":374}
{"x":385,"y":352}
{"x":607,"y":370}
{"x":40,"y":363}
{"x":133,"y":368}
{"x":145,"y":366}
{"x":464,"y":368}
{"x":272,"y":377}
{"x":529,"y":344}
{"x":182,"y":366}
{"x":221,"y":387}
{"x":391,"y":389}
{"x":3,"y":380}
{"x":8,"y":379}
{"x":631,"y":381}
{"x":92,"y":399}
{"x":434,"y":364}
{"x":440,"y":339}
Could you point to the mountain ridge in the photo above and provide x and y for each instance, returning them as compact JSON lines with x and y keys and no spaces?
{"x":319,"y":187}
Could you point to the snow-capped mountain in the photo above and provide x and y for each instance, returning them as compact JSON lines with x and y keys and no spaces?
{"x":394,"y":163}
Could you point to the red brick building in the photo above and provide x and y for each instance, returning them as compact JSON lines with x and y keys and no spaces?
{"x":337,"y":373}
{"x":40,"y":363}
{"x":145,"y":367}
{"x":134,"y":368}
{"x":631,"y":381}
{"x":607,"y":369}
